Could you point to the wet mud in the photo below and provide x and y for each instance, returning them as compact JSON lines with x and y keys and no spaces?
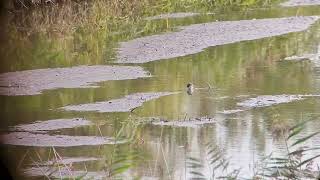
{"x":269,"y":100}
{"x":45,"y":140}
{"x":172,"y":15}
{"x":125,"y":104}
{"x":231,"y":111}
{"x":33,"y":82}
{"x":195,"y":38}
{"x":50,"y":125}
{"x":65,"y":160}
{"x":292,"y":3}
{"x":192,"y":122}
{"x":62,"y":173}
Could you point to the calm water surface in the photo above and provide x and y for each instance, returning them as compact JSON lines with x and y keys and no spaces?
{"x":235,"y":71}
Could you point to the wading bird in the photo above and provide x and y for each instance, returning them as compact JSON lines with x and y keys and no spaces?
{"x":190,"y":88}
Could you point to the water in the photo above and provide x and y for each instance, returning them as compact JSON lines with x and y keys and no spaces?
{"x":236,"y":71}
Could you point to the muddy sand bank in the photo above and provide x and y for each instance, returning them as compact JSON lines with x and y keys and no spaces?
{"x":172,"y":15}
{"x":32,"y":82}
{"x":125,"y":104}
{"x":63,"y":173}
{"x":195,"y":38}
{"x":191,"y":122}
{"x":65,"y":160}
{"x":45,"y":140}
{"x":51,"y":125}
{"x":292,"y":3}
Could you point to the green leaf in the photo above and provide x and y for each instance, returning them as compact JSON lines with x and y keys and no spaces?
{"x":196,"y":173}
{"x":219,"y":156}
{"x":279,"y":159}
{"x":212,"y":150}
{"x":225,"y":166}
{"x":198,"y":178}
{"x":308,"y":160}
{"x":193,"y":159}
{"x":295,"y":132}
{"x":219,"y":165}
{"x":305,"y":138}
{"x":194,"y":165}
{"x":120,"y":169}
{"x":301,"y":124}
{"x":299,"y":151}
{"x":120,"y":160}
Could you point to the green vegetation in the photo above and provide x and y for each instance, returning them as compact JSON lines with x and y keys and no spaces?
{"x":296,"y":164}
{"x":68,"y":33}
{"x":217,"y":163}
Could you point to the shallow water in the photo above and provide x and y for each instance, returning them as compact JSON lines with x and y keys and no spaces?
{"x":229,"y":79}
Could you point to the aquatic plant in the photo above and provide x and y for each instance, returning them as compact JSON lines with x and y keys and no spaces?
{"x":217,"y":163}
{"x":121,"y":159}
{"x":295,"y":164}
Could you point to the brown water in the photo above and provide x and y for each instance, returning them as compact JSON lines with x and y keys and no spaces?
{"x":240,"y":74}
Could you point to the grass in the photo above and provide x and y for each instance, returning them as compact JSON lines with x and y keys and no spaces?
{"x":114,"y":159}
{"x":295,"y":164}
{"x":61,"y":16}
{"x":217,"y":163}
{"x":117,"y":159}
{"x":72,"y":32}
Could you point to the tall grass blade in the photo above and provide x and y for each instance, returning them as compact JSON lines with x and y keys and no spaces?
{"x":305,"y":138}
{"x":308,"y":160}
{"x":300,"y":151}
{"x":196,"y":173}
{"x":295,"y":131}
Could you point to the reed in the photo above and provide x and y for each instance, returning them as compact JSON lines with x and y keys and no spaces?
{"x":63,"y":17}
{"x":295,"y":164}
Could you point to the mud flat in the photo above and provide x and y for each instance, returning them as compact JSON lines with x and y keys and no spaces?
{"x":32,"y":82}
{"x":125,"y":104}
{"x":172,"y":15}
{"x":315,"y":58}
{"x":50,"y":125}
{"x":301,"y":57}
{"x":45,"y":140}
{"x":66,"y":160}
{"x":231,"y":111}
{"x":193,"y":122}
{"x":269,"y":100}
{"x":62,"y":173}
{"x":292,"y":3}
{"x":195,"y":38}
